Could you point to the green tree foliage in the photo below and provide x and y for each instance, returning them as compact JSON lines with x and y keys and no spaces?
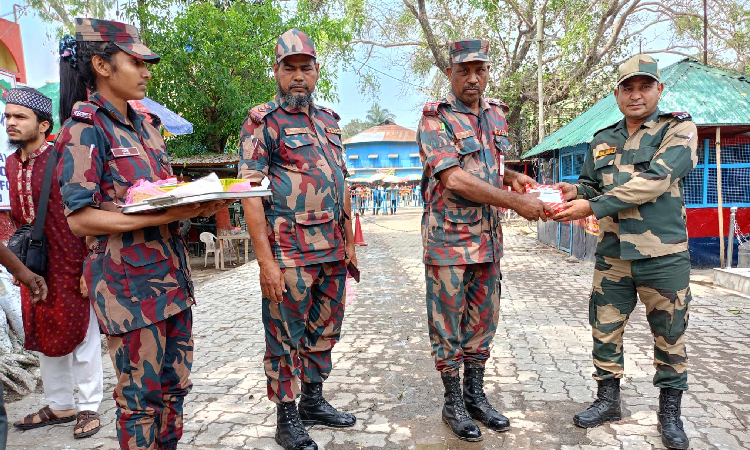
{"x":377,"y":115}
{"x":216,"y":64}
{"x":728,"y":31}
{"x":583,"y":42}
{"x":60,"y":14}
{"x":354,"y":127}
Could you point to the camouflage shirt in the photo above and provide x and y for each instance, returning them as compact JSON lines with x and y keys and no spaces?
{"x":302,"y":155}
{"x":138,"y":277}
{"x":456,"y":230}
{"x":635,"y":188}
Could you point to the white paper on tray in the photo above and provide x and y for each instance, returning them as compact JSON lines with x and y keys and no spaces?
{"x":205,"y":185}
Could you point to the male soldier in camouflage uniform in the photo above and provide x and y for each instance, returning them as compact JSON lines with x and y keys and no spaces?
{"x":632,"y":182}
{"x":303,"y":239}
{"x":462,"y":140}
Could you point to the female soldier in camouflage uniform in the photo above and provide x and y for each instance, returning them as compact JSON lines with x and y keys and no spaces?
{"x":137,"y":270}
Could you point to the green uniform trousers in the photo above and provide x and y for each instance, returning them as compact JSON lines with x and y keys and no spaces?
{"x":663,"y":285}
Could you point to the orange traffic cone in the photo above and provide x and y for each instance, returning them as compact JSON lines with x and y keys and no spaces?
{"x":358,"y":239}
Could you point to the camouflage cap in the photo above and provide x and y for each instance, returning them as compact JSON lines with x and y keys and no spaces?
{"x":469,"y":50}
{"x":638,"y":65}
{"x":124,"y":36}
{"x":294,"y":42}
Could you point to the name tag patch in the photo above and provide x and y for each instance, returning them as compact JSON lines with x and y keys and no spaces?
{"x":606,"y":151}
{"x":293,"y":131}
{"x":121,"y":152}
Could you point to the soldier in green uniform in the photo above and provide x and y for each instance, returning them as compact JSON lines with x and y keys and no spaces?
{"x":462,"y":142}
{"x":632,"y":181}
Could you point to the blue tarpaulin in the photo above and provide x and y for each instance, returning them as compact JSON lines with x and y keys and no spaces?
{"x":171,"y":121}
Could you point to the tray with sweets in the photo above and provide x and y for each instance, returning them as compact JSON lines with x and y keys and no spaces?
{"x":145,"y":196}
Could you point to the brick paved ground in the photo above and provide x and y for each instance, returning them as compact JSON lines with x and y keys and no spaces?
{"x":539,"y":373}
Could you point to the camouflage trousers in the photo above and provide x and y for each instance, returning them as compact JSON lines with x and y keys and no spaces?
{"x":152,"y":365}
{"x":662,"y":284}
{"x":463,"y":307}
{"x":303,"y":328}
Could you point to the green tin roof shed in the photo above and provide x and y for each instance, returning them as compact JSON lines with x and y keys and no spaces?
{"x":714,"y":97}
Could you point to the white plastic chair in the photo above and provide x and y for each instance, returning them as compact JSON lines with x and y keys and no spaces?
{"x":210,"y":240}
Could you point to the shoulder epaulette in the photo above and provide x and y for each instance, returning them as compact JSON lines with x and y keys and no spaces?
{"x":431,"y":108}
{"x":498,"y":102}
{"x":259,"y":112}
{"x":331,"y":112}
{"x":679,"y":116}
{"x":84,"y":112}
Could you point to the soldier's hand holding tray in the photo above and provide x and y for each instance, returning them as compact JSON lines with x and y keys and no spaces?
{"x":211,"y":208}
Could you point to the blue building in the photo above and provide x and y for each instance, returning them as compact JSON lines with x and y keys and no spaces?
{"x":383,"y":148}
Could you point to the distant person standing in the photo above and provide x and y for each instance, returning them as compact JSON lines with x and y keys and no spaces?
{"x":63,"y":328}
{"x":376,"y":199}
{"x":393,"y":191}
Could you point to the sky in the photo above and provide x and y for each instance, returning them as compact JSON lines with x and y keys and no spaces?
{"x":401,"y":98}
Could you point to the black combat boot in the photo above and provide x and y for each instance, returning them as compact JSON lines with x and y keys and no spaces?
{"x":477,"y":405}
{"x":606,"y":407}
{"x":315,"y":410}
{"x":290,"y":433}
{"x":454,"y":411}
{"x":670,"y":424}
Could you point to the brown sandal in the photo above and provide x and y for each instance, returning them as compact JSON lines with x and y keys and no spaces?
{"x":84,"y":418}
{"x":47,"y":418}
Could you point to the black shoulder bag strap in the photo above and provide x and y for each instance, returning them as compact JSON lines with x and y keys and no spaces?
{"x":41,"y":215}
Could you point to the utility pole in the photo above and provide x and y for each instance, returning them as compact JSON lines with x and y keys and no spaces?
{"x":705,"y":32}
{"x":540,"y":81}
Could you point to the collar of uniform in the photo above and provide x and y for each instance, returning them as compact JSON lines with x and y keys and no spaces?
{"x":285,"y":106}
{"x":460,"y":106}
{"x":136,"y":119}
{"x":650,"y":121}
